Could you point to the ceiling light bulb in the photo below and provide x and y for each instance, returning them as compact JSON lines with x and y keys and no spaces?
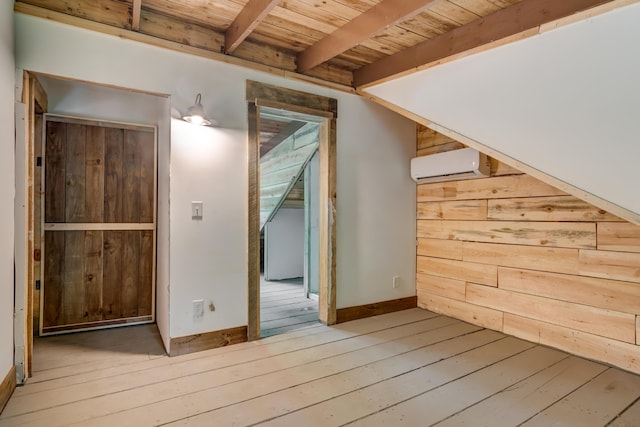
{"x":196,"y":120}
{"x":195,"y":114}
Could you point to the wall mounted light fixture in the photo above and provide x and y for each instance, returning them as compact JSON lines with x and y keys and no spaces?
{"x":195,"y":114}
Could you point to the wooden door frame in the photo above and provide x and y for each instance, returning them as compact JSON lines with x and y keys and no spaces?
{"x":325,"y":111}
{"x":33,"y":100}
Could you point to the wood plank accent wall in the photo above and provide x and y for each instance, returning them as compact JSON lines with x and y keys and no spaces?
{"x":513,"y":254}
{"x":282,"y":166}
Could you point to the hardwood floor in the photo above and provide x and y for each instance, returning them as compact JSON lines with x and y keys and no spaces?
{"x":410,"y":368}
{"x":284,"y":307}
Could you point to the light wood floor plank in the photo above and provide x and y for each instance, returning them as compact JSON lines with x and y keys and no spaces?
{"x":521,"y":401}
{"x":65,"y":377}
{"x":405,"y":368}
{"x":273,"y":345}
{"x":286,"y":311}
{"x":344,"y":331}
{"x":82,"y":354}
{"x":280,"y":305}
{"x":370,"y":400}
{"x":285,"y":401}
{"x":284,"y":307}
{"x":277,"y":301}
{"x":629,"y":418}
{"x":285,"y":329}
{"x":283,"y":294}
{"x":290,"y":320}
{"x":155,"y":385}
{"x":439,"y":403}
{"x":194,"y":403}
{"x":294,"y":340}
{"x":593,"y":405}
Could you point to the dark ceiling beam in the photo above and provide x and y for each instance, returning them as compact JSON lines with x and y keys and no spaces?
{"x":246,"y":21}
{"x":379,"y":17}
{"x":135,"y":15}
{"x":514,"y":20}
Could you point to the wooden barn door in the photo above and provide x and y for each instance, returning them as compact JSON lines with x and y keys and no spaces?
{"x":99,"y":224}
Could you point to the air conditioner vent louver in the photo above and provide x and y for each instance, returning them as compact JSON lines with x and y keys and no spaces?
{"x":466,"y":163}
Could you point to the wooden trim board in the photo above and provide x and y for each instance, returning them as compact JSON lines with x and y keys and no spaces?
{"x":253,"y":224}
{"x":207,"y":340}
{"x":288,"y":98}
{"x":7,"y":387}
{"x":103,"y":324}
{"x":55,"y":226}
{"x":91,"y":121}
{"x":327,"y":243}
{"x":375,"y":309}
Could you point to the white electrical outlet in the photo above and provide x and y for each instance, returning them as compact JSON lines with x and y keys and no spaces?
{"x":198,"y":308}
{"x":396,"y":281}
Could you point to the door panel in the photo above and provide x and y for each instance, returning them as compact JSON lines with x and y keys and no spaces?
{"x":130,"y":273}
{"x":94,"y":175}
{"x":112,"y":273}
{"x":73,"y":280}
{"x":54,"y":278}
{"x":99,"y":209}
{"x":146,"y":274}
{"x":114,"y":145}
{"x":93,"y":275}
{"x":55,"y":155}
{"x":75,"y":192}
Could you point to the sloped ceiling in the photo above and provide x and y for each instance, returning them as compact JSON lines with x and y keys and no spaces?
{"x":564,"y":104}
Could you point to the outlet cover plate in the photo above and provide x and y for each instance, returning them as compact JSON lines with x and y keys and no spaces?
{"x":198,"y":308}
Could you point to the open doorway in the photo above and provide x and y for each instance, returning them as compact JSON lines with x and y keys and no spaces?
{"x":291,"y":187}
{"x":288,"y":222}
{"x":75,"y":255}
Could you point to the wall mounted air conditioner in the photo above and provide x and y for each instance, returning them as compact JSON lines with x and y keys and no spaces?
{"x":466,"y":163}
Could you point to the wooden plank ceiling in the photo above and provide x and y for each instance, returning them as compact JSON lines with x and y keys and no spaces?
{"x":349,"y":42}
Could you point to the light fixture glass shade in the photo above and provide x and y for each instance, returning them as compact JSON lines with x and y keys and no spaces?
{"x":195,"y":114}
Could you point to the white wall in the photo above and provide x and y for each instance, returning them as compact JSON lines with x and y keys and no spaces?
{"x":565,"y":102}
{"x":376,"y":198}
{"x":284,"y":245}
{"x":376,"y":204}
{"x":7,"y":141}
{"x":208,"y":256}
{"x":85,"y":100}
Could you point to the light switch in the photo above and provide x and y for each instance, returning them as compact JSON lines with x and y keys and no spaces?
{"x":196,"y":210}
